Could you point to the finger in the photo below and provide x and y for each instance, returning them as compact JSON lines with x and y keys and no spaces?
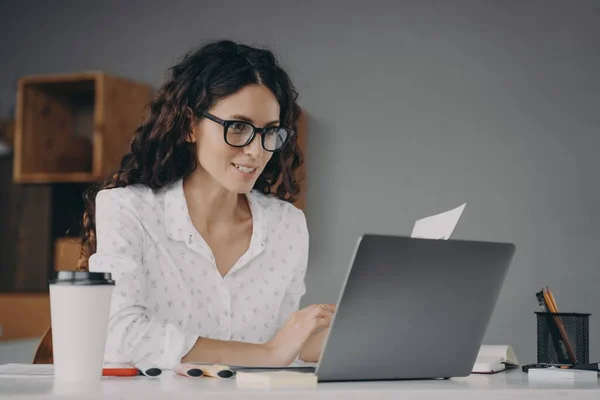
{"x":327,"y":308}
{"x":322,"y":323}
{"x":326,"y":317}
{"x":331,"y":307}
{"x":309,"y":309}
{"x":312,"y":307}
{"x":319,"y":311}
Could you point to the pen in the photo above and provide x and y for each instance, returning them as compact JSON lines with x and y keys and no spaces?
{"x":119,"y":370}
{"x":148,"y":369}
{"x":213,"y":370}
{"x":586,"y":367}
{"x":217,"y":371}
{"x":540,"y":299}
{"x":188,"y":370}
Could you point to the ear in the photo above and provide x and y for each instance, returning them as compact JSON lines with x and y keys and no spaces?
{"x":191,"y":137}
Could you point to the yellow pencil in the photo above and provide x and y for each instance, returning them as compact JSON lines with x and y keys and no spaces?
{"x":561,"y":327}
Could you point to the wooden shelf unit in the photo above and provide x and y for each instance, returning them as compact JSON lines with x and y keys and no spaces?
{"x":75,"y":127}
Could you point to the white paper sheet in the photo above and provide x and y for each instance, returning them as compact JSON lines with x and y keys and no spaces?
{"x":27,"y":370}
{"x":439,"y":226}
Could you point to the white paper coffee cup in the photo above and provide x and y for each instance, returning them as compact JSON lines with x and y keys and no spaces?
{"x":79,"y":309}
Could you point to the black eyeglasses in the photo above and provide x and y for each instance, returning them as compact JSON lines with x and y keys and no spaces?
{"x":241,"y":133}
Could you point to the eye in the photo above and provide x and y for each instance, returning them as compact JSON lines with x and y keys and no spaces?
{"x":271,"y":131}
{"x":239,"y":127}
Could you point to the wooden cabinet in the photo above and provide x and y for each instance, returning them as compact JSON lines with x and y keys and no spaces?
{"x":74,"y":127}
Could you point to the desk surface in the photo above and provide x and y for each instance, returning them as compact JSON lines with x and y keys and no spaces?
{"x":505,"y":385}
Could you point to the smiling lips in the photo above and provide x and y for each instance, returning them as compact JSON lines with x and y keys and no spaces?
{"x":245,"y":169}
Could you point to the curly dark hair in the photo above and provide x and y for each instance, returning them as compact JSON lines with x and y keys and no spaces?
{"x":160,"y":153}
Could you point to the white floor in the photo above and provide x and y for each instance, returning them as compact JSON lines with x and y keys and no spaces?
{"x":17,"y":351}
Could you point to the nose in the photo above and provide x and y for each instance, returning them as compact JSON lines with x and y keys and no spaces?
{"x":254,"y":148}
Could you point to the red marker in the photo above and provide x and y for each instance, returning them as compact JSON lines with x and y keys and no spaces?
{"x":119,"y":370}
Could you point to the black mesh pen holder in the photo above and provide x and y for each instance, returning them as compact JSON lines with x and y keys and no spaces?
{"x":563,"y":338}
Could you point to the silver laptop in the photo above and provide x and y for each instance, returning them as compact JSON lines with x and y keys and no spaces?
{"x":413,"y":309}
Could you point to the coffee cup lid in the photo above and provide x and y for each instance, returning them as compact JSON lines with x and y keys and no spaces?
{"x":81,"y":278}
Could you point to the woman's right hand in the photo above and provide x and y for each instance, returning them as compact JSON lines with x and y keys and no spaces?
{"x":287,"y":343}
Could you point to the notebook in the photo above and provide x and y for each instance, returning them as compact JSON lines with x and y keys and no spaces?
{"x":494,"y":358}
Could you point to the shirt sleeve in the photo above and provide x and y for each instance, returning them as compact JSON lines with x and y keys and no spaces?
{"x":297,"y":288}
{"x":133,"y":336}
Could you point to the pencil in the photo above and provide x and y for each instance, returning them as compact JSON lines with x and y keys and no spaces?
{"x":561,"y":327}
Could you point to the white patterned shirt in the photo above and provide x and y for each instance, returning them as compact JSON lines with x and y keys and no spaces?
{"x":168,"y":290}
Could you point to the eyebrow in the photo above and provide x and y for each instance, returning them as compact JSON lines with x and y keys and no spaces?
{"x":246,"y":119}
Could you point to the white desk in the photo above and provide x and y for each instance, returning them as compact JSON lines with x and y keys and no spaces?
{"x":505,"y":385}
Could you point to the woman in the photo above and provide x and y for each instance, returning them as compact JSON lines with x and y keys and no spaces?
{"x":209,"y":266}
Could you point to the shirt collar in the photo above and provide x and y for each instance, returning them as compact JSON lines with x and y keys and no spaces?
{"x":176,"y":211}
{"x":179,"y":225}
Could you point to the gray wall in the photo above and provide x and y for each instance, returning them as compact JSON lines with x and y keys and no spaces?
{"x":415,"y":107}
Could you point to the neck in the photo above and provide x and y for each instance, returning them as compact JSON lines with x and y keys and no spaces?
{"x":209,"y":203}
